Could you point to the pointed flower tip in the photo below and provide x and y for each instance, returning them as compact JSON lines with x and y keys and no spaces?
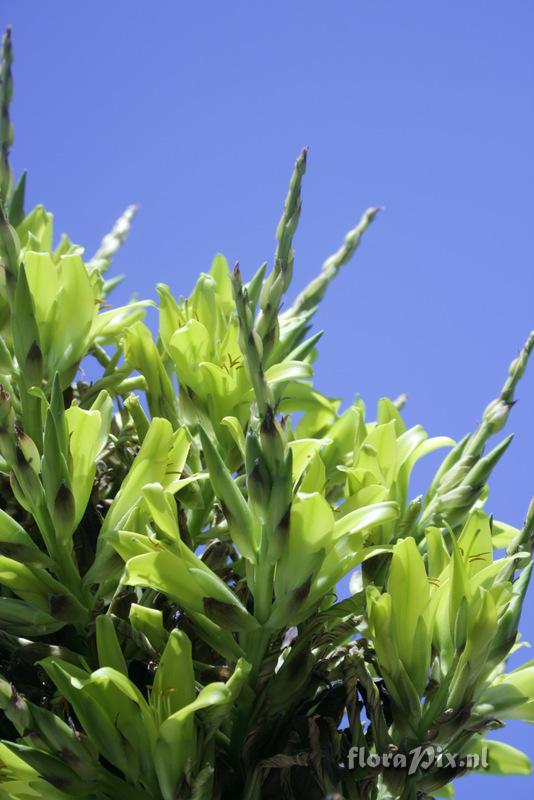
{"x":7,"y":47}
{"x":505,"y":442}
{"x":400,"y":401}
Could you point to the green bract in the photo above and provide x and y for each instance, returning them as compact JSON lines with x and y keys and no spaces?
{"x":173,"y":535}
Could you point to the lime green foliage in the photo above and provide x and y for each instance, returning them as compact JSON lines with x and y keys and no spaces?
{"x":172,"y":536}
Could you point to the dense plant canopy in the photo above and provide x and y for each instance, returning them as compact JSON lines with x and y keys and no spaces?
{"x":172,"y":535}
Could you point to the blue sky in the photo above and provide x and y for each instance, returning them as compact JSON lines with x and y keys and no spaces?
{"x":196,"y":111}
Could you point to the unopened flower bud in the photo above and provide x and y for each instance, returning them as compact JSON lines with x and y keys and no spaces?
{"x":461,"y":497}
{"x":457,"y":473}
{"x":27,"y":452}
{"x":496,"y":414}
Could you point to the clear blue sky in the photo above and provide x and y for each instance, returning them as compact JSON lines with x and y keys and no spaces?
{"x":197,"y":110}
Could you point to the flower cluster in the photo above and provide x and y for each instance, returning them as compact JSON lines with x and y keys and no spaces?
{"x":173,"y":535}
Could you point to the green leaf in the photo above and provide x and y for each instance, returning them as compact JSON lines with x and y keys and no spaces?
{"x":141,"y":354}
{"x":236,"y":432}
{"x":109,"y":650}
{"x":388,"y":411}
{"x":243,"y":527}
{"x":16,"y":207}
{"x":38,"y":224}
{"x":511,"y":696}
{"x":409,"y":590}
{"x":174,"y":682}
{"x":304,"y":451}
{"x":64,"y":308}
{"x":24,"y":619}
{"x":365,"y":518}
{"x":149,"y":622}
{"x":149,"y":467}
{"x":190,"y":346}
{"x":503,"y":534}
{"x":220,"y":272}
{"x":177,"y":741}
{"x":85,"y":441}
{"x":445,"y":791}
{"x":16,"y":543}
{"x":37,"y":587}
{"x":166,"y":573}
{"x":93,"y":716}
{"x":503,"y":759}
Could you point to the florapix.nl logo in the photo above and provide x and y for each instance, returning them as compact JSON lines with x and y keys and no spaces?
{"x":418,"y":759}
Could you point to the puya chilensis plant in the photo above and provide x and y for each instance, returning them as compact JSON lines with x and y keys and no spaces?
{"x":173,"y":535}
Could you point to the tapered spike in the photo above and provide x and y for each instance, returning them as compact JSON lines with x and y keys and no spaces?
{"x":509,"y":622}
{"x":525,"y":539}
{"x":6,"y":128}
{"x":277,"y":283}
{"x":316,"y":290}
{"x":292,"y":206}
{"x":497,"y":412}
{"x":464,"y":465}
{"x":113,"y":240}
{"x":250,"y":343}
